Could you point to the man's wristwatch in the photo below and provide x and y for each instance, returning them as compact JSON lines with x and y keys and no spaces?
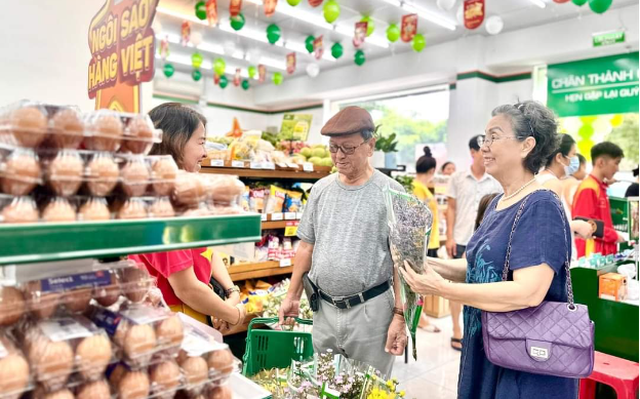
{"x":231,"y":290}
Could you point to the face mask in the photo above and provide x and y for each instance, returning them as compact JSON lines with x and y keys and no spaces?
{"x":574,"y":165}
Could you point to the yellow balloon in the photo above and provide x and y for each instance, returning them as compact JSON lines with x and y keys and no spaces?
{"x":617,"y":120}
{"x":587,"y":120}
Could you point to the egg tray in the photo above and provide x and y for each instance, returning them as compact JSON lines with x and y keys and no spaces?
{"x":192,"y":189}
{"x":32,"y":124}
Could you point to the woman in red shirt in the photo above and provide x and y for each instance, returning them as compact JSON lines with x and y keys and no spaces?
{"x":183,"y":276}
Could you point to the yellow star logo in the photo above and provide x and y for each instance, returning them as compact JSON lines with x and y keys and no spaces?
{"x":208,"y":254}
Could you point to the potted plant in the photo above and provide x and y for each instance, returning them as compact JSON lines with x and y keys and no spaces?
{"x":387,"y":145}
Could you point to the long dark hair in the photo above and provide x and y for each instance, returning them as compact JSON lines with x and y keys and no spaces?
{"x":178,"y":122}
{"x":426,"y":162}
{"x":566,"y":142}
{"x":482,"y":208}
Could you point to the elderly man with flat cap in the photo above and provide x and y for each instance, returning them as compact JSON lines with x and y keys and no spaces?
{"x":343,"y":262}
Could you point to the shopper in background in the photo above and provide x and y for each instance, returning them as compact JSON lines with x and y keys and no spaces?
{"x":592,"y":202}
{"x":344,"y":259}
{"x":183,"y":276}
{"x":632,"y":190}
{"x":518,"y":140}
{"x":425,"y":170}
{"x":571,"y":182}
{"x":448,"y":168}
{"x":465,"y":190}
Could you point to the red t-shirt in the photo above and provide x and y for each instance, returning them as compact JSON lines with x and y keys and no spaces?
{"x":591,"y":202}
{"x":163,"y":264}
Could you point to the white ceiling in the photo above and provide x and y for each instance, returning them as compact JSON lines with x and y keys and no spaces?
{"x":298,"y":22}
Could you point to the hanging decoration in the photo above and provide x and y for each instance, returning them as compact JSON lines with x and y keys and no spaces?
{"x":224,"y":81}
{"x":216,"y":79}
{"x":494,"y":25}
{"x":337,"y":50}
{"x":196,"y":39}
{"x":473,"y":13}
{"x":446,"y":5}
{"x":579,"y":3}
{"x":359,"y":34}
{"x":277,"y":78}
{"x":308,"y":43}
{"x":331,"y":11}
{"x":237,"y":78}
{"x":201,"y":10}
{"x":291,"y":63}
{"x":393,"y":33}
{"x":359,"y":58}
{"x":315,"y":3}
{"x":168,"y":70}
{"x":273,"y":33}
{"x":262,"y":73}
{"x":318,"y":48}
{"x":418,"y":42}
{"x":235,"y":6}
{"x":196,"y":74}
{"x":245,"y":84}
{"x":293,"y":3}
{"x":409,"y":27}
{"x":313,"y":70}
{"x":252,"y":71}
{"x":237,"y":22}
{"x":196,"y":60}
{"x":219,"y":66}
{"x":212,"y":12}
{"x":599,"y":6}
{"x":185,"y":34}
{"x":370,"y":26}
{"x":269,"y":7}
{"x":561,"y":1}
{"x":164,"y":48}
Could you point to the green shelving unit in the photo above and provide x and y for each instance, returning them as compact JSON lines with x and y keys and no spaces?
{"x":45,"y":242}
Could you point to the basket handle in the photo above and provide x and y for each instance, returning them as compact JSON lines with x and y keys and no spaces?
{"x":274,"y":320}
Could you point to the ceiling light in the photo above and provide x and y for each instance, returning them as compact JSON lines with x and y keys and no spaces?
{"x":425,"y":14}
{"x":539,"y":3}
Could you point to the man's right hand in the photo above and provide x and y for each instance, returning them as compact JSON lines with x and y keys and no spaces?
{"x":289,"y":309}
{"x":451,"y":248}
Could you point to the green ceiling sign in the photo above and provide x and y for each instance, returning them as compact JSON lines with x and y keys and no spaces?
{"x":607,"y":85}
{"x":608,"y":38}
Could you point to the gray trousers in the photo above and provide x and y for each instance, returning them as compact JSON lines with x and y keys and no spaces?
{"x":359,"y":333}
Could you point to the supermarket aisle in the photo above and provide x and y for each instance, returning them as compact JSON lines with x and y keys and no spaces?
{"x":436,"y":370}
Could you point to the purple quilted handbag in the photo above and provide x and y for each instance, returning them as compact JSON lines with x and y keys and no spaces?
{"x":554,"y":338}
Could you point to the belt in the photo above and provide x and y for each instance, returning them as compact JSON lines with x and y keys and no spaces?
{"x":351,"y":301}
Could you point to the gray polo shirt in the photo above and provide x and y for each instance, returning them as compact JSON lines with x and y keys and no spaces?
{"x":468,"y":191}
{"x":348,"y":227}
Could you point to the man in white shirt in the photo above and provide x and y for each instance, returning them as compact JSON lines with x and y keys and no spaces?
{"x":466,"y":189}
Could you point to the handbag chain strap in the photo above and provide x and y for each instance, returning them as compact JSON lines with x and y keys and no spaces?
{"x":505,"y":270}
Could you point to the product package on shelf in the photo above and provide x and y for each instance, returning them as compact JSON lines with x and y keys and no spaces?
{"x":15,"y":374}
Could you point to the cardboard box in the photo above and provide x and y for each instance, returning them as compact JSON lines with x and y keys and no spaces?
{"x":613,"y":286}
{"x":436,"y":306}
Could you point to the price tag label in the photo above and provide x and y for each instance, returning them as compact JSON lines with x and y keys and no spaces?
{"x":299,"y":215}
{"x":237,"y":164}
{"x":289,"y":216}
{"x":277,"y":216}
{"x":269,"y":165}
{"x":285,"y":262}
{"x":307,"y":167}
{"x":217,"y":163}
{"x":292,"y":165}
{"x":255,"y":165}
{"x":263,"y":217}
{"x":282,"y":165}
{"x":291,"y":229}
{"x":64,"y":329}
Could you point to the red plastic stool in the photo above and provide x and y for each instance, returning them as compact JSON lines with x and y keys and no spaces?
{"x":620,"y":374}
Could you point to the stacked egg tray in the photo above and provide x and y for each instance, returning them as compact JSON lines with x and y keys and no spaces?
{"x":104,"y":334}
{"x":58,"y":165}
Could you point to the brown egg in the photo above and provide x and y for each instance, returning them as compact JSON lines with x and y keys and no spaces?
{"x":221,"y":361}
{"x":59,"y":210}
{"x":195,"y":369}
{"x":102,"y":175}
{"x":12,"y":306}
{"x":108,"y":295}
{"x":226,"y":189}
{"x":140,"y":341}
{"x":29,"y":126}
{"x":154,"y":297}
{"x":106,"y":133}
{"x":170,"y":331}
{"x":164,"y":173}
{"x":42,"y":393}
{"x":14,"y":370}
{"x":68,"y":128}
{"x":162,"y":208}
{"x":135,"y":178}
{"x":20,"y":210}
{"x":188,"y":189}
{"x":65,"y":173}
{"x":222,"y":392}
{"x":136,"y":283}
{"x":52,"y":362}
{"x":93,"y":355}
{"x":116,"y":375}
{"x":94,"y":390}
{"x":134,"y":208}
{"x":21,"y":173}
{"x":134,"y":385}
{"x":165,"y":376}
{"x":94,"y":209}
{"x":77,"y":301}
{"x":140,"y":136}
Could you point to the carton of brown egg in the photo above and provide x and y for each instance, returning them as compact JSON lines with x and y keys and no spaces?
{"x":130,"y":133}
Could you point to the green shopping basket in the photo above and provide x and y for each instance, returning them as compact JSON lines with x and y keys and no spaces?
{"x":268,"y":349}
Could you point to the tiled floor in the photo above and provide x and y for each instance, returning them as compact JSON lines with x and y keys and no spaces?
{"x":435,"y":374}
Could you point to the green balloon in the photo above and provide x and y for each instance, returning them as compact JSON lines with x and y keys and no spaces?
{"x":293,"y":3}
{"x":370,"y":26}
{"x":219,"y":66}
{"x":245,"y":84}
{"x":252,"y":71}
{"x":337,"y":50}
{"x":393,"y":33}
{"x":224,"y":81}
{"x":168,"y":70}
{"x":308,"y":43}
{"x":277,"y":78}
{"x":418,"y":42}
{"x":196,"y":60}
{"x":201,"y":10}
{"x":599,"y":6}
{"x":273,"y":33}
{"x":237,"y":22}
{"x":359,"y":58}
{"x":331,"y":11}
{"x":196,"y":74}
{"x":579,"y":2}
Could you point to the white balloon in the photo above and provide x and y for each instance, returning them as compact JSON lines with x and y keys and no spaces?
{"x":494,"y":25}
{"x":446,"y":5}
{"x":156,"y":25}
{"x":313,"y":70}
{"x":460,"y":15}
{"x":196,"y":38}
{"x":229,"y":48}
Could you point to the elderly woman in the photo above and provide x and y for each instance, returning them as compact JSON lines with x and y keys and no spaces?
{"x":518,"y":140}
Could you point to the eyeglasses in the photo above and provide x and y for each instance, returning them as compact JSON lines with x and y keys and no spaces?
{"x":484,"y":140}
{"x":346,"y":149}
